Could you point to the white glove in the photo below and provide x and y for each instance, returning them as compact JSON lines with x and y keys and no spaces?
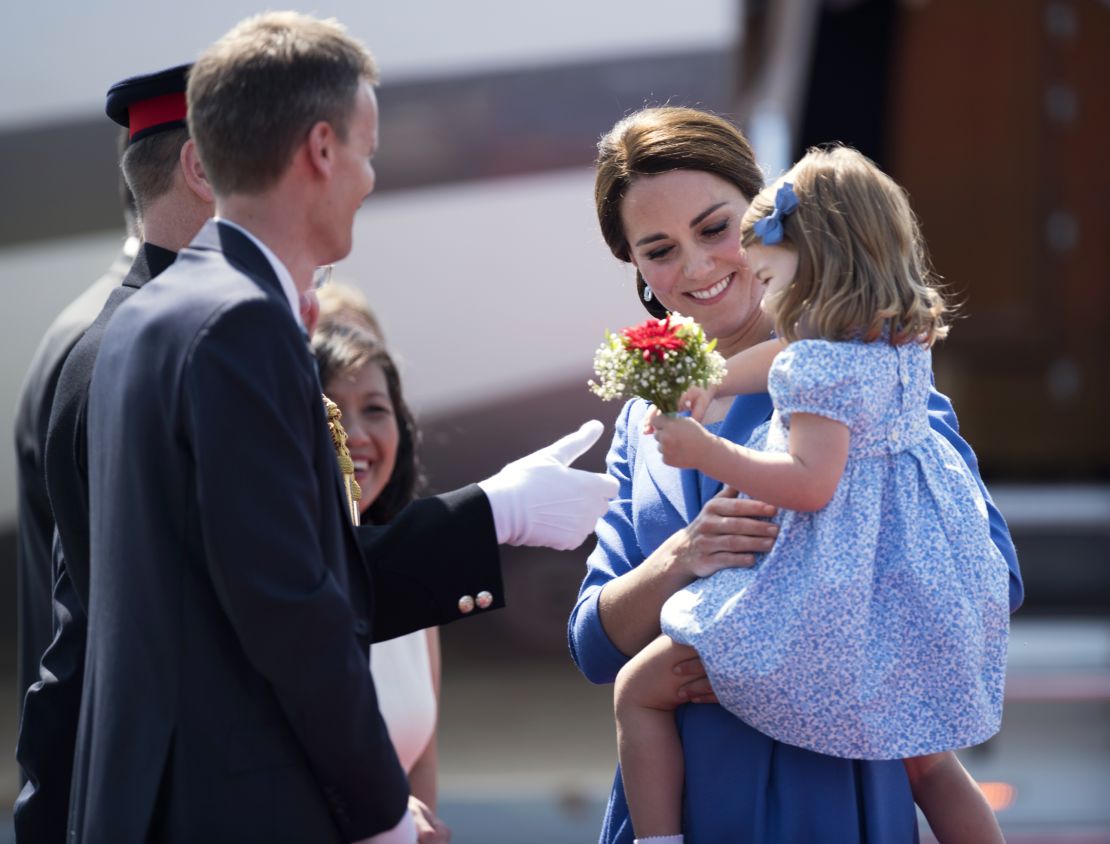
{"x":539,"y":500}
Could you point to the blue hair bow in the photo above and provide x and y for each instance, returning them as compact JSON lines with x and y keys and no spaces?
{"x":769,"y":228}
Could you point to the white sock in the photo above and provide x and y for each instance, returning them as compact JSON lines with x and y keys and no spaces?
{"x":660,"y":839}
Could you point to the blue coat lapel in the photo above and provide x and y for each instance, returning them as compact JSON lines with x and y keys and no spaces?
{"x":746,"y":414}
{"x":677,"y":487}
{"x":687,"y":490}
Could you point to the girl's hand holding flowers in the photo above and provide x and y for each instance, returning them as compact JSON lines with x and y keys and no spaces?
{"x":697,"y":400}
{"x":683,"y":442}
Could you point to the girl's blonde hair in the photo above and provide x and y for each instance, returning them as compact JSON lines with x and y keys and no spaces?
{"x":862,"y":266}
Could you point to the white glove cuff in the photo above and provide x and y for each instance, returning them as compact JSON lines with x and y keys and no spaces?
{"x":501,"y":492}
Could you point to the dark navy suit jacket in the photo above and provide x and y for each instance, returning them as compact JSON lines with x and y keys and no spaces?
{"x":36,"y":522}
{"x":49,"y":724}
{"x":227,"y":692}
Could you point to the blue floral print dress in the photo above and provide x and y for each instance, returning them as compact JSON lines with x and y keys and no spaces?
{"x":876,"y":627}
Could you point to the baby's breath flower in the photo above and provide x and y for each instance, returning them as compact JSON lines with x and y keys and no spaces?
{"x":660,"y":358}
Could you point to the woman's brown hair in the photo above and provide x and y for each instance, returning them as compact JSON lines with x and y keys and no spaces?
{"x":659,"y":140}
{"x":342,"y":349}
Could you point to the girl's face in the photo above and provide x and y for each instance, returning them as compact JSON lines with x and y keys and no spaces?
{"x":773,"y":268}
{"x":683,"y":231}
{"x":371,"y":424}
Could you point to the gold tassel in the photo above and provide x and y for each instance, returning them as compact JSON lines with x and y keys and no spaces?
{"x":343,"y":455}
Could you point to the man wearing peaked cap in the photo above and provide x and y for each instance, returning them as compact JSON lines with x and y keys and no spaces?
{"x":150,"y":103}
{"x":36,"y":395}
{"x":173,"y":200}
{"x":228,"y":695}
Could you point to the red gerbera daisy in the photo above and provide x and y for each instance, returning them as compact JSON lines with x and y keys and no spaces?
{"x":654,"y":338}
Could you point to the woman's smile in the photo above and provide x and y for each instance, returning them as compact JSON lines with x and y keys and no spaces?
{"x":714,"y":291}
{"x":362,"y":469}
{"x":683,"y":227}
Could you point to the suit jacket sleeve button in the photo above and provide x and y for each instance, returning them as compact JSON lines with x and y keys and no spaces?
{"x":484,"y":600}
{"x":362,"y":627}
{"x":466,"y":604}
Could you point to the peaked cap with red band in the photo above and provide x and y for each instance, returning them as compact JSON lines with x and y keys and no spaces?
{"x":153,"y":102}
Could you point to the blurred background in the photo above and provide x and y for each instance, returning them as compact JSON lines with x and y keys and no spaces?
{"x":481,"y":254}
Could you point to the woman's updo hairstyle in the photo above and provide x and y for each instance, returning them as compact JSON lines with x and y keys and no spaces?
{"x":660,"y":140}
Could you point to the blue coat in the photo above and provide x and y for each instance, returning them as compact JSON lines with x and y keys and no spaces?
{"x":740,"y":784}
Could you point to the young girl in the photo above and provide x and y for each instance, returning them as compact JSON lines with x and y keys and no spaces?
{"x":876,"y":627}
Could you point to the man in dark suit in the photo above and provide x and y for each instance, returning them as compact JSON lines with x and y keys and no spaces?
{"x":36,"y":521}
{"x":173,"y":201}
{"x":227,"y":691}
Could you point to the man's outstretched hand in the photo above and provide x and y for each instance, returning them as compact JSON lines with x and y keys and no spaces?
{"x":540,"y":500}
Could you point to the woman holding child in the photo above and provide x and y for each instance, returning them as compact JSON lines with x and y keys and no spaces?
{"x":672,"y":187}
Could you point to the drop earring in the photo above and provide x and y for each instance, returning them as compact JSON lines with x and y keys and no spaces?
{"x":648,"y":295}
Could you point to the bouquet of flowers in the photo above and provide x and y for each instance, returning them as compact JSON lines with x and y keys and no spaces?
{"x":658,"y":361}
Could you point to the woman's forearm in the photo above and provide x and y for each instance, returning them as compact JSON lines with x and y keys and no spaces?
{"x":629,"y":605}
{"x":425,"y":771}
{"x":422,"y":777}
{"x":727,"y":533}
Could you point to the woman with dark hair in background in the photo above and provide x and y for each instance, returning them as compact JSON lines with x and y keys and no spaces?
{"x":672,"y":185}
{"x":359,"y":375}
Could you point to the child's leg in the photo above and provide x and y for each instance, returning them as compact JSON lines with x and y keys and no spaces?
{"x":952,"y":802}
{"x":650,"y":752}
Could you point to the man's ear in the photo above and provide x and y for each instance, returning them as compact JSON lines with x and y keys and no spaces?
{"x":193,"y":172}
{"x":320,"y":148}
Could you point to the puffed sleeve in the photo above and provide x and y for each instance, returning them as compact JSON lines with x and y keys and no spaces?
{"x":943,"y":420}
{"x":818,"y":377}
{"x":617,"y":552}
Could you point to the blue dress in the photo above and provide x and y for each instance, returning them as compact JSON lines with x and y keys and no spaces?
{"x":741,"y":785}
{"x":876,"y":627}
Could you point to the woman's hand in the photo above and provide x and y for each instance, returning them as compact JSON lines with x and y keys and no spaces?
{"x":694,"y":682}
{"x":727,"y":533}
{"x":429,"y":828}
{"x":664,"y":675}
